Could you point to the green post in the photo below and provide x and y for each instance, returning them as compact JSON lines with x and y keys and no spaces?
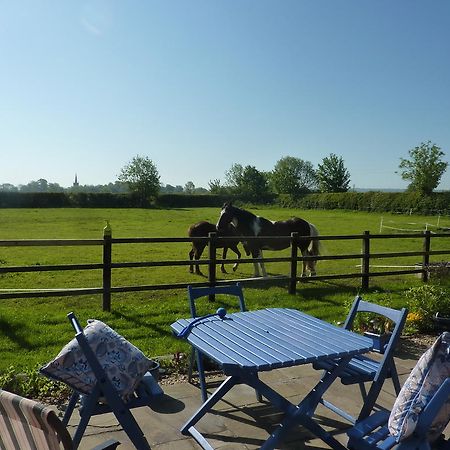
{"x":107,"y":251}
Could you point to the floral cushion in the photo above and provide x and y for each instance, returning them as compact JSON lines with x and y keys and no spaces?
{"x":124,"y":364}
{"x":432,"y":369}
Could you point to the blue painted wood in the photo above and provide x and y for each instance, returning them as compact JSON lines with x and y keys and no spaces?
{"x":372,"y":433}
{"x":194,"y":294}
{"x":362,"y":369}
{"x":246,"y":343}
{"x":93,"y":404}
{"x":271,"y":338}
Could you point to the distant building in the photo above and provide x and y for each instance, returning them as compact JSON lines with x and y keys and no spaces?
{"x":75,"y":183}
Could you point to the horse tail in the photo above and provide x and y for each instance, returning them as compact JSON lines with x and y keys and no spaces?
{"x":314,"y":246}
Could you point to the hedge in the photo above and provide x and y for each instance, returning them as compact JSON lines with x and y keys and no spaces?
{"x":413,"y":202}
{"x":437,"y":203}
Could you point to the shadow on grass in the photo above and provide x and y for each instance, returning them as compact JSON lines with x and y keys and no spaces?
{"x":11,"y":331}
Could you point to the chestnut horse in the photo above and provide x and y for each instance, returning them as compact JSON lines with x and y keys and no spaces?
{"x":202,"y":229}
{"x":248,"y":224}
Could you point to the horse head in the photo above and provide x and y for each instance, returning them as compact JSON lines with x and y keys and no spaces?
{"x":226,"y":216}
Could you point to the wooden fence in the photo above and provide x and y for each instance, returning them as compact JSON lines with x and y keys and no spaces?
{"x":107,"y":264}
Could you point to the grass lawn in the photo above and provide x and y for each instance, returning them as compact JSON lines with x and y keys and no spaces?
{"x":34,"y":330}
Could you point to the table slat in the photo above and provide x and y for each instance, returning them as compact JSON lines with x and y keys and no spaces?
{"x":271,"y":338}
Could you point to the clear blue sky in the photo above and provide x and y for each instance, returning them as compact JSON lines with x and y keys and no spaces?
{"x":198,"y":85}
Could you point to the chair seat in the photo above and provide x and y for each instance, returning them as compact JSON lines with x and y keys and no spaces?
{"x":363,"y":435}
{"x":371,"y":369}
{"x":360,"y":369}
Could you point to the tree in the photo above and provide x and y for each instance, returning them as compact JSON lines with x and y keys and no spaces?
{"x":247,"y":182}
{"x":142,"y":178}
{"x":41,"y":185}
{"x":8,"y":187}
{"x":189,"y":187}
{"x":332,"y":175}
{"x":254,"y":186}
{"x":215,"y":187}
{"x":234,"y":176}
{"x":424,"y":169}
{"x":293,"y":176}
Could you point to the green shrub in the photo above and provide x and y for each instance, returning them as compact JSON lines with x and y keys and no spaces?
{"x":29,"y":383}
{"x":423,"y":303}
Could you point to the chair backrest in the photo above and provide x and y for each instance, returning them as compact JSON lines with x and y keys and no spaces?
{"x":25,"y":423}
{"x":196,"y":292}
{"x":432,"y":409}
{"x":398,"y":317}
{"x":421,"y":411}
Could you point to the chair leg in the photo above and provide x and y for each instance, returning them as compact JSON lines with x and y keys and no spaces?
{"x":87,"y":408}
{"x":191,"y":364}
{"x":362,"y":388}
{"x":371,"y":399}
{"x":198,"y":358}
{"x":131,"y":427}
{"x":201,"y":376}
{"x":70,"y":407}
{"x":395,"y":379}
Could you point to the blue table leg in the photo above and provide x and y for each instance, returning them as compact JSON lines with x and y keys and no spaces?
{"x":309,"y":404}
{"x":217,"y":395}
{"x":302,"y":414}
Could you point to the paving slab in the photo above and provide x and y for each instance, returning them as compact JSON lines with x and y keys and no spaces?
{"x":239,"y":421}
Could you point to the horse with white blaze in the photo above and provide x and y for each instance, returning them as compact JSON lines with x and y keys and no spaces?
{"x":249,"y":224}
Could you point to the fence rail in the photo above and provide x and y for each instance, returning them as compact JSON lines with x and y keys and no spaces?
{"x":106,"y":266}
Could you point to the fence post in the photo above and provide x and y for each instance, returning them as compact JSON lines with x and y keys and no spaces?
{"x":426,"y":255}
{"x":365,"y":260}
{"x":107,"y":251}
{"x":212,"y":262}
{"x":294,"y":256}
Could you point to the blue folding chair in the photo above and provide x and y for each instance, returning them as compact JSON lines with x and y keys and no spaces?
{"x":195,"y":293}
{"x":372,"y":433}
{"x":362,"y":368}
{"x":105,"y":398}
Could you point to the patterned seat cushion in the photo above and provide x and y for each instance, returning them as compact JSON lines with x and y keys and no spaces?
{"x":124,"y":364}
{"x":432,"y":369}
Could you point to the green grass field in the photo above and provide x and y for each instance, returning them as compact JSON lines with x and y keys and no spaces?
{"x":34,"y":330}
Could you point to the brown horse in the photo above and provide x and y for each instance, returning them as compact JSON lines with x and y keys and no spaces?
{"x":248,"y":224}
{"x":202,"y":229}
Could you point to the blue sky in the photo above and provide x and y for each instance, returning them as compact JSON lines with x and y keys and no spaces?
{"x":198,"y":85}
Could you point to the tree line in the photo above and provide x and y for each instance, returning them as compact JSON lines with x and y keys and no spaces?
{"x":291,"y":176}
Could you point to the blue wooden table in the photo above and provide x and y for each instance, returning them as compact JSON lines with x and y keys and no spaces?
{"x":246,"y":343}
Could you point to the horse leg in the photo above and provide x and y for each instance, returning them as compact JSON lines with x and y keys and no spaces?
{"x":198,"y":254}
{"x":191,"y":257}
{"x":255,"y":254}
{"x":261,"y":263}
{"x":311,"y":265}
{"x":303,"y":263}
{"x":224,"y":256}
{"x":238,"y":253}
{"x":313,"y":249}
{"x":257,"y":264}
